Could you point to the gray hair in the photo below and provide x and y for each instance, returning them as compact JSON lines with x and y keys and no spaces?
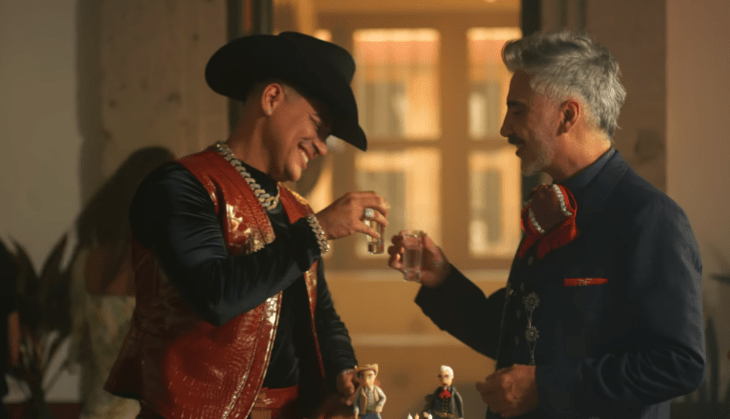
{"x":566,"y":64}
{"x":447,"y":370}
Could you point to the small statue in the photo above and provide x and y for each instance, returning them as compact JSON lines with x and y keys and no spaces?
{"x":445,"y":402}
{"x":369,"y":398}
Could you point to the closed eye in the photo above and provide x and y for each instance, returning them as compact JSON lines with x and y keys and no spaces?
{"x":317,"y":123}
{"x":323,"y":129}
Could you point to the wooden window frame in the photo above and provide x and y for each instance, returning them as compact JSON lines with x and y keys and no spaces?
{"x":454,"y":143}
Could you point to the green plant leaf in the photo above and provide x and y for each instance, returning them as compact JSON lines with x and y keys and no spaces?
{"x":53,"y":293}
{"x":27,"y":288}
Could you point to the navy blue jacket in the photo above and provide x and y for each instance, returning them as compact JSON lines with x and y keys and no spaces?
{"x":453,"y":404}
{"x":621,"y":345}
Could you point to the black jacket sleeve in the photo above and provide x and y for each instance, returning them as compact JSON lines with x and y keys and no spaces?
{"x":334,"y":340}
{"x":459,"y":307}
{"x":173,"y":215}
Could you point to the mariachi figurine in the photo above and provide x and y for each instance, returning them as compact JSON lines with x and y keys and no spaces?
{"x":369,"y":399}
{"x":446,"y":402}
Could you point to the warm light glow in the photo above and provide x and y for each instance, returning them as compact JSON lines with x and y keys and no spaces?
{"x":489,"y":80}
{"x":396,"y":83}
{"x":493,"y":34}
{"x":419,"y":205}
{"x":503,"y":241}
{"x":323,"y":34}
{"x":396,"y":35}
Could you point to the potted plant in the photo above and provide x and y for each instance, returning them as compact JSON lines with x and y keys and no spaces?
{"x":43,"y":304}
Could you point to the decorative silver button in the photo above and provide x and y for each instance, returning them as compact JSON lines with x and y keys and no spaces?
{"x":517,"y":340}
{"x":531,"y":334}
{"x":531,"y":301}
{"x":530,"y":260}
{"x":522,"y":287}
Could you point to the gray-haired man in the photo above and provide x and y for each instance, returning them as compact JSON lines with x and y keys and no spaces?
{"x":602,"y":312}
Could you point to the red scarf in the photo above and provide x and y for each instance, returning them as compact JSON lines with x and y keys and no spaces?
{"x":558,"y":228}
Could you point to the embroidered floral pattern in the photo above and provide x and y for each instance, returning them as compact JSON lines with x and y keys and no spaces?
{"x":531,"y":301}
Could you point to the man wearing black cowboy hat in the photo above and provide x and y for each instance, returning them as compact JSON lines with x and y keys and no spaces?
{"x":234,"y":318}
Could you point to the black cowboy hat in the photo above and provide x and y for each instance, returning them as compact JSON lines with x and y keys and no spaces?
{"x":318,"y":69}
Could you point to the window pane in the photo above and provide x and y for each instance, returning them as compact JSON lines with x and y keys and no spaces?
{"x":489,"y":80}
{"x":396,"y":83}
{"x":323,"y":34}
{"x":494,"y":185}
{"x":409,"y":181}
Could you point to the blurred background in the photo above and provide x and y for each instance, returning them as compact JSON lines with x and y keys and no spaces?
{"x":94,"y":93}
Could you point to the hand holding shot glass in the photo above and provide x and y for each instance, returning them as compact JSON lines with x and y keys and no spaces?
{"x":412,"y":255}
{"x":418,"y":258}
{"x":364,"y":212}
{"x":376,"y":245}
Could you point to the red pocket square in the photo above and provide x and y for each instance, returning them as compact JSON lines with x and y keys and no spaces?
{"x":579,"y":282}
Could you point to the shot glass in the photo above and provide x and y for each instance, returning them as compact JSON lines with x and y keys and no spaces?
{"x":413,"y":244}
{"x":376,"y":245}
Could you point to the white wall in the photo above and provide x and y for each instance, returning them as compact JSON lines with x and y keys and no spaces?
{"x":39,"y":161}
{"x":39,"y":136}
{"x":698,"y":141}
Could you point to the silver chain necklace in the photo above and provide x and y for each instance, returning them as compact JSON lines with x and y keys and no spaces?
{"x":269,"y":202}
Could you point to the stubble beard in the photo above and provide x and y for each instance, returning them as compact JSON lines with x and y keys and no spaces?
{"x":538,"y":163}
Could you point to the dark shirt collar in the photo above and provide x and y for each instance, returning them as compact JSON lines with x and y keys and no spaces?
{"x":580,"y":180}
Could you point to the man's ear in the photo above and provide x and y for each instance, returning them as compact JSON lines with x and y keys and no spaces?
{"x":570,"y":111}
{"x":271,"y":97}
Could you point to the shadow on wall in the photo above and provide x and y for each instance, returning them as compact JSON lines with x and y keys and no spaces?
{"x":88,"y":88}
{"x":705,"y":402}
{"x":90,"y":300}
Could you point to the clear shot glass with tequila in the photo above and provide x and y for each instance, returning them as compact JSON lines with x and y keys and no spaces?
{"x":413,"y":246}
{"x":376,"y":245}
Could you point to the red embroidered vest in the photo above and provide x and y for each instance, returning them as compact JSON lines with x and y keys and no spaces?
{"x":181,"y":366}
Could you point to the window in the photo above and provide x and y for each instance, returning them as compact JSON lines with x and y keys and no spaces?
{"x":494,"y":175}
{"x":431,"y":96}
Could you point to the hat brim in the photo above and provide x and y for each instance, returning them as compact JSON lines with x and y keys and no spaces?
{"x":367,"y":367}
{"x":237,"y":66}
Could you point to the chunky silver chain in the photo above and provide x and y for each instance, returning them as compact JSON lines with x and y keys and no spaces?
{"x":324,"y":245}
{"x":269,"y":202}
